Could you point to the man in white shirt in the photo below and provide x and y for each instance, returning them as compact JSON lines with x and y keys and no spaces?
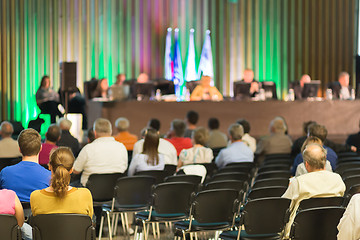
{"x":249,"y":140}
{"x":316,"y":183}
{"x":238,"y":151}
{"x":9,"y":147}
{"x":349,"y":225}
{"x":103,"y":155}
{"x":165,"y":148}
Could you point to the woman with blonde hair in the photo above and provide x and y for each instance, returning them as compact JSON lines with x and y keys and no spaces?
{"x":59,"y":197}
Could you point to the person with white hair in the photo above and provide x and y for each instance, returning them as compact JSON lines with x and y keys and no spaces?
{"x":316,"y":183}
{"x":66,"y":139}
{"x":238,"y":151}
{"x":124,"y":136}
{"x":103,"y":155}
{"x":8,"y":147}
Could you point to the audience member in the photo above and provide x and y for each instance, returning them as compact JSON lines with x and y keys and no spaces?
{"x":52,"y":136}
{"x":217,"y":139}
{"x":28,"y":175}
{"x":47,"y":99}
{"x":122,"y":124}
{"x":349,"y":225}
{"x":204,"y":91}
{"x":301,"y":169}
{"x":249,"y":140}
{"x":298,"y":143}
{"x":277,"y":142}
{"x":59,"y":197}
{"x":176,"y":136}
{"x":354,"y":140}
{"x":198,"y":153}
{"x":154,"y":123}
{"x":191,"y":120}
{"x":238,"y":151}
{"x":91,"y":135}
{"x":103,"y":155}
{"x":9,"y":147}
{"x":317,"y":183}
{"x":66,"y":139}
{"x":149,"y":158}
{"x":319,"y":131}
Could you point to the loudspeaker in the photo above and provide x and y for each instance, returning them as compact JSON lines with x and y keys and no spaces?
{"x":68,"y":76}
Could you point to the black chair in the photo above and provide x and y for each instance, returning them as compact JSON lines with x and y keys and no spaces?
{"x":271,"y":182}
{"x":9,"y":228}
{"x":170,"y":203}
{"x":194,"y":179}
{"x":353,"y":190}
{"x":277,"y":162}
{"x":210,"y":168}
{"x":131,"y":194}
{"x":320,"y":202}
{"x":216,"y":151}
{"x":5,"y":162}
{"x":277,"y":156}
{"x":157,"y":174}
{"x":241,"y":164}
{"x":102,"y":186}
{"x":266,"y":192}
{"x":240,"y":169}
{"x":347,"y":154}
{"x":306,"y":224}
{"x":351,"y":181}
{"x":230,"y":176}
{"x":340,"y":168}
{"x":170,"y":169}
{"x":273,"y":174}
{"x":348,"y":159}
{"x":212,"y":210}
{"x":262,"y":218}
{"x":350,"y":173}
{"x":227,"y":184}
{"x":274,"y":167}
{"x":62,"y":226}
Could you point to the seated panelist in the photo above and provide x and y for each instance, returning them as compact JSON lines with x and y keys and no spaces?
{"x":298,"y":86}
{"x":204,"y":91}
{"x":255,"y":86}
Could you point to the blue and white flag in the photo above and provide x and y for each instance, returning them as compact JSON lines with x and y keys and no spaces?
{"x":190,"y":70}
{"x":178,"y":78}
{"x":206,"y":66}
{"x":168,"y":68}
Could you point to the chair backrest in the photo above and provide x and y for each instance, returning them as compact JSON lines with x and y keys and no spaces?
{"x":230,"y":176}
{"x":210,"y":168}
{"x":240,"y":169}
{"x":348,"y":159}
{"x":277,"y":162}
{"x":180,"y":194}
{"x":277,"y":156}
{"x":350,"y":173}
{"x":135,"y":190}
{"x":5,"y":162}
{"x":102,"y":186}
{"x":216,"y":151}
{"x":9,"y":228}
{"x":212,"y":206}
{"x":340,"y":168}
{"x":266,"y":192}
{"x":306,"y":224}
{"x":274,"y":167}
{"x":62,"y":226}
{"x":227,"y":184}
{"x":351,"y":181}
{"x":353,"y":190}
{"x":273,"y":174}
{"x":170,"y":169}
{"x":241,"y":164}
{"x":194,"y":179}
{"x":321,"y":202}
{"x":346,"y":154}
{"x":157,"y":174}
{"x":271,"y":182}
{"x":265,"y":215}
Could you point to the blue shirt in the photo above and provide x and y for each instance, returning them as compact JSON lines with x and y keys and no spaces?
{"x":236,"y":152}
{"x":331,"y":157}
{"x":24,"y":178}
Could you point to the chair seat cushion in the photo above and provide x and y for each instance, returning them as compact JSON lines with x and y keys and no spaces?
{"x":161,"y":217}
{"x":196,"y":226}
{"x":125,"y":208}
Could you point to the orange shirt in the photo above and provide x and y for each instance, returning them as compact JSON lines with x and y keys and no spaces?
{"x":127,"y":139}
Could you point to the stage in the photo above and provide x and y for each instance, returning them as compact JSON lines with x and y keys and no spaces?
{"x":340,"y":117}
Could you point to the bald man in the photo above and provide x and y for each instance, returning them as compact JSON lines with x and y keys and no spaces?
{"x":316,"y":183}
{"x":9,"y":147}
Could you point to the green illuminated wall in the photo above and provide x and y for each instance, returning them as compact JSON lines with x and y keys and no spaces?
{"x":279,"y":39}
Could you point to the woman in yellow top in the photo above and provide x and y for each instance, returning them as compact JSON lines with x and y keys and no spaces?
{"x":204,"y":91}
{"x":60,"y":197}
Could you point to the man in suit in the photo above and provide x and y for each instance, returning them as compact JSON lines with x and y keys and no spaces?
{"x":341,"y":88}
{"x":298,"y":86}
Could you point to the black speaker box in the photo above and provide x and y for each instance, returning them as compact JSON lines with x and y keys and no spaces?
{"x":68,"y":76}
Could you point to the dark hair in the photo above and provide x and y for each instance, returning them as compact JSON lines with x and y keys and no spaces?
{"x":319,"y":131}
{"x":192,"y":117}
{"x":43,"y":80}
{"x":179,"y":127}
{"x":213,"y":123}
{"x":306,"y":126}
{"x":150,"y":147}
{"x":154,"y":123}
{"x":200,"y":135}
{"x":29,"y":141}
{"x":91,"y":135}
{"x":245,"y":124}
{"x":53,"y":133}
{"x":61,"y":162}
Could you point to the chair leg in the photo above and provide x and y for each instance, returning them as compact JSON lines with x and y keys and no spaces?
{"x":184,"y":235}
{"x":145,"y":231}
{"x":109,"y":225}
{"x":123,"y":223}
{"x":196,"y":236}
{"x":154,"y":231}
{"x":136,"y":232}
{"x":116,"y":223}
{"x":126,"y":223}
{"x":101,"y":227}
{"x":158,"y":229}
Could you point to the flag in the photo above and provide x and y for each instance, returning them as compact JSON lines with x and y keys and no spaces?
{"x":178,"y":78}
{"x":190,"y":70}
{"x":206,"y":61}
{"x":168,"y":70}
